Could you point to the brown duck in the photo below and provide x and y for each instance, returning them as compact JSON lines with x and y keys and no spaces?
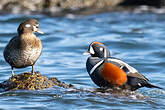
{"x":24,"y":49}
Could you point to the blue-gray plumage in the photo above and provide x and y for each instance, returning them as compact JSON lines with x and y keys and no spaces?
{"x":107,"y":71}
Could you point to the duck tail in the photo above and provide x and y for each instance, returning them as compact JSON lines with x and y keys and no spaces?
{"x":152,"y":86}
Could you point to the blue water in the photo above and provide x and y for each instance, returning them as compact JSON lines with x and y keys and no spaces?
{"x":137,"y":38}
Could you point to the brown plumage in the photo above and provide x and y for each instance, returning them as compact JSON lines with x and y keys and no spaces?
{"x":24,"y":49}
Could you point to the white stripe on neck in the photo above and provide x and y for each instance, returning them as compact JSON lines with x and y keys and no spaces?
{"x":93,"y":69}
{"x":105,"y":53}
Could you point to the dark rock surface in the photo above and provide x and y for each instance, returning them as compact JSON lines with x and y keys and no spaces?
{"x":63,"y":7}
{"x":53,"y":6}
{"x":29,"y":81}
{"x":155,"y":3}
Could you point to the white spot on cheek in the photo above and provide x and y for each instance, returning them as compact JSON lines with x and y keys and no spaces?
{"x":101,"y":49}
{"x":27,"y":25}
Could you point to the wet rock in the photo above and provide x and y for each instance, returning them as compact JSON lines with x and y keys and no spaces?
{"x":116,"y":92}
{"x":156,"y":3}
{"x":29,"y":81}
{"x":54,"y":7}
{"x":80,"y":7}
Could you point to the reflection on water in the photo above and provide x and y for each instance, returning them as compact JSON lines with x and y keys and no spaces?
{"x":138,"y":39}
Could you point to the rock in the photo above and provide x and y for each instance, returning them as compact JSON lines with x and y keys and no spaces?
{"x":54,"y":7}
{"x":80,"y":7}
{"x":29,"y":81}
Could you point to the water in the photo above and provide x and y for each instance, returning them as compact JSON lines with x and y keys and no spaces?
{"x":137,"y":38}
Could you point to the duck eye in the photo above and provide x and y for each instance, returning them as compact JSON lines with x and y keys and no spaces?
{"x":37,"y":25}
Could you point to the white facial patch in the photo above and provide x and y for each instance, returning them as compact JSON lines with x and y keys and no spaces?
{"x":35,"y":29}
{"x":91,"y":50}
{"x":27,"y":25}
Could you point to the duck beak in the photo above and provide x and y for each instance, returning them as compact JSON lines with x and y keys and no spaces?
{"x":39,"y":31}
{"x":86,"y":53}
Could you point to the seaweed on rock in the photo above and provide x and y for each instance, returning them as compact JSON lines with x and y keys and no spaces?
{"x":29,"y":81}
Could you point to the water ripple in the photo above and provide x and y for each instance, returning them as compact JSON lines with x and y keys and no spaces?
{"x":136,"y":38}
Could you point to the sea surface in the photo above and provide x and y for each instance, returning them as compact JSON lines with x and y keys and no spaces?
{"x":136,"y":38}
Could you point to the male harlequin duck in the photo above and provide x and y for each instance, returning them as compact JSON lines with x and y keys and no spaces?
{"x":107,"y":71}
{"x":24,"y":49}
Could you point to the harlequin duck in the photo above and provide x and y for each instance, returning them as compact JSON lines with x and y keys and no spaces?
{"x":107,"y":71}
{"x":24,"y":49}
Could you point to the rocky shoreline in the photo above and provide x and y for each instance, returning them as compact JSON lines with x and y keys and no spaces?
{"x":63,"y":7}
